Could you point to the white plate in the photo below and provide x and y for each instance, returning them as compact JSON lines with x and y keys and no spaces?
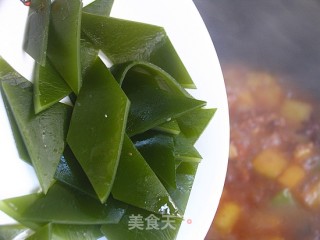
{"x":190,"y":37}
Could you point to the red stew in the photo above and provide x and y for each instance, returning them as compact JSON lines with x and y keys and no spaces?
{"x":272,"y":189}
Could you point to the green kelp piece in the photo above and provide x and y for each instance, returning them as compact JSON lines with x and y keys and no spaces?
{"x":151,"y":106}
{"x":21,"y":147}
{"x":11,"y":231}
{"x":185,"y":176}
{"x":194,"y":122}
{"x":49,"y":87}
{"x":44,"y":134}
{"x":158,"y":150}
{"x":76,"y":232}
{"x":15,"y":207}
{"x":64,"y":205}
{"x":97,"y":127}
{"x":99,"y":7}
{"x":154,"y":98}
{"x":171,"y":127}
{"x":36,"y":34}
{"x":138,"y":224}
{"x":70,"y":172}
{"x":185,"y":150}
{"x":43,"y":233}
{"x":64,"y":41}
{"x":136,"y":184}
{"x":6,"y":71}
{"x":151,"y":73}
{"x":123,"y":41}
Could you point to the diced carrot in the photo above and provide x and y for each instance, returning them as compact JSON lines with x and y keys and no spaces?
{"x":265,"y":89}
{"x":270,"y":163}
{"x":296,"y":112}
{"x":292,"y":176}
{"x":227,"y":216}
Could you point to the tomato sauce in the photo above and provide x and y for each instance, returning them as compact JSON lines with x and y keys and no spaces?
{"x":272,"y":189}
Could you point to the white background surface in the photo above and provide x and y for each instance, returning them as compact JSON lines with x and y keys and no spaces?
{"x":189,"y":36}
